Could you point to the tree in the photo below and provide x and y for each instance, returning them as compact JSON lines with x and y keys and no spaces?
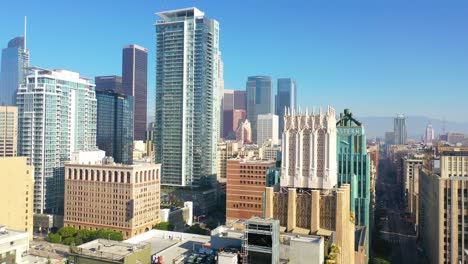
{"x":109,"y":234}
{"x":67,"y":231}
{"x":86,"y":235}
{"x":211,"y":224}
{"x":164,"y":226}
{"x":72,"y":240}
{"x":196,"y":229}
{"x":380,"y":261}
{"x":54,"y":238}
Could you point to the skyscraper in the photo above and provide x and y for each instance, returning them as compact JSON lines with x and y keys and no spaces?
{"x":56,"y":117}
{"x":15,"y":60}
{"x":286,"y":98}
{"x":8,"y":131}
{"x":240,"y":100}
{"x":354,"y":166}
{"x":108,"y":83}
{"x":244,"y":132}
{"x":399,"y":128}
{"x":228,"y":100}
{"x":232,"y":120}
{"x":135,"y":83}
{"x":429,"y":134}
{"x":114,"y":132}
{"x":259,"y":99}
{"x":187,"y":99}
{"x":267,"y":129}
{"x":309,"y":150}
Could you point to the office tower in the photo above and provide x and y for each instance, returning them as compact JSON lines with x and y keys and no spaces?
{"x":455,"y":137}
{"x":245,"y":187}
{"x":17,"y":186}
{"x":8,"y":131}
{"x":226,"y":105}
{"x":389,"y":138}
{"x":318,"y":212}
{"x":443,"y":215}
{"x":309,"y":150}
{"x":232,"y":119}
{"x":354,"y":166}
{"x":135,"y":208}
{"x":267,"y":129}
{"x":108,"y":83}
{"x":114,"y":132}
{"x":429,"y":134}
{"x":56,"y":117}
{"x":135,"y":83}
{"x":259,"y":100}
{"x":244,"y":132}
{"x":399,"y":128}
{"x":187,"y":113}
{"x":240,"y":100}
{"x":286,"y":98}
{"x":15,"y":60}
{"x":228,"y":100}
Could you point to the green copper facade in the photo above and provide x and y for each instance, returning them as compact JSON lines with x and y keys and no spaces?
{"x":353,"y":166}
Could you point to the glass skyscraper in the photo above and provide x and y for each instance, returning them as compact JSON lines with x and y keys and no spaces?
{"x":187,"y":99}
{"x":354,"y":166}
{"x":115,"y":125}
{"x":108,"y":83}
{"x":56,"y":117}
{"x":15,"y":60}
{"x":135,"y":83}
{"x":399,"y":130}
{"x":286,"y":97}
{"x":259,"y":100}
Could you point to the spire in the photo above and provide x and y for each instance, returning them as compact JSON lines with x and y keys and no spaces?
{"x":307,"y":111}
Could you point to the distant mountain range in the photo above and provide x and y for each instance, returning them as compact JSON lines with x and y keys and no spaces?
{"x":416,"y":125}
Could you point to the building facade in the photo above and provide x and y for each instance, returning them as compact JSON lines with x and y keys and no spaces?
{"x":56,"y":117}
{"x":17,"y":189}
{"x":259,"y":99}
{"x":286,"y":98}
{"x":429,"y":135}
{"x":8,"y":131}
{"x":135,"y":83}
{"x":267,"y":129}
{"x":226,"y":151}
{"x":187,"y":100}
{"x":240,"y":100}
{"x":15,"y":60}
{"x":354,"y":166}
{"x":244,"y":132}
{"x":399,"y":130}
{"x":14,"y":245}
{"x":109,"y":83}
{"x":231,"y":121}
{"x":115,"y":125}
{"x":309,"y":150}
{"x":246,"y":182}
{"x":124,"y":198}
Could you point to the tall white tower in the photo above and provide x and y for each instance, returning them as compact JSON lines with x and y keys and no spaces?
{"x":429,"y":134}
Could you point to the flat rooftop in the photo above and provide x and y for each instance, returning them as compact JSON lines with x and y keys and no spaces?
{"x":109,"y":249}
{"x":10,"y":234}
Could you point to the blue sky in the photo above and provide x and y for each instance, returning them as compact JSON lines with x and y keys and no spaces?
{"x":378,"y":58}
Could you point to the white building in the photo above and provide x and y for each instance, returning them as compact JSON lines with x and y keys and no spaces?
{"x":13,"y":244}
{"x":309,"y":150}
{"x":429,"y":134}
{"x":267,"y":129}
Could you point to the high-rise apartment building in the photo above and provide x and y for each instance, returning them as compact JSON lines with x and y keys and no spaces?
{"x":246,"y":182}
{"x":309,"y":150}
{"x":244,"y":132}
{"x":135,"y":83}
{"x":106,"y":195}
{"x":114,"y":132}
{"x":187,"y":99}
{"x":354,"y":166}
{"x":231,"y":121}
{"x":15,"y":60}
{"x":56,"y":117}
{"x":286,"y":98}
{"x":267,"y":129}
{"x":443,"y":212}
{"x":259,"y":99}
{"x":108,"y":83}
{"x":399,"y":130}
{"x":17,"y":186}
{"x":240,"y":100}
{"x":429,"y":135}
{"x":8,"y":131}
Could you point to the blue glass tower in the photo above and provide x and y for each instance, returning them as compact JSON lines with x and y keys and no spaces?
{"x":286,"y":98}
{"x":114,"y":132}
{"x":15,"y":60}
{"x":259,"y":100}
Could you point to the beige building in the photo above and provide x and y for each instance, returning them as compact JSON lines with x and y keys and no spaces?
{"x":317,"y":212}
{"x":124,"y":198}
{"x":8,"y":130}
{"x":16,"y":188}
{"x":226,"y":150}
{"x":443,"y":211}
{"x":410,"y":164}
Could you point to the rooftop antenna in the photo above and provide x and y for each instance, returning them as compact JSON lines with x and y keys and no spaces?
{"x":25,"y":24}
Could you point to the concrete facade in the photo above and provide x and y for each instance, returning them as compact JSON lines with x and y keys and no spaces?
{"x":13,"y":244}
{"x":8,"y":131}
{"x":267,"y":129}
{"x":113,"y":196}
{"x":17,"y":189}
{"x":244,"y":132}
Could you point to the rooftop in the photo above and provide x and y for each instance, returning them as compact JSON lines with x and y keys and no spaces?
{"x":10,"y":234}
{"x":108,"y":249}
{"x":183,"y":12}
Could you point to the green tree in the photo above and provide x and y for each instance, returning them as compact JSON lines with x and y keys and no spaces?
{"x":54,"y":238}
{"x":109,"y":234}
{"x":67,"y":231}
{"x":164,"y":226}
{"x":196,"y":229}
{"x":86,"y":235}
{"x":211,"y":224}
{"x":380,"y":261}
{"x":72,"y":240}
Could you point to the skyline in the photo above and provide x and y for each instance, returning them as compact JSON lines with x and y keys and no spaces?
{"x":374,"y":53}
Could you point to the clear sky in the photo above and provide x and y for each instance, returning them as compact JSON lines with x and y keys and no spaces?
{"x":377,"y":57}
